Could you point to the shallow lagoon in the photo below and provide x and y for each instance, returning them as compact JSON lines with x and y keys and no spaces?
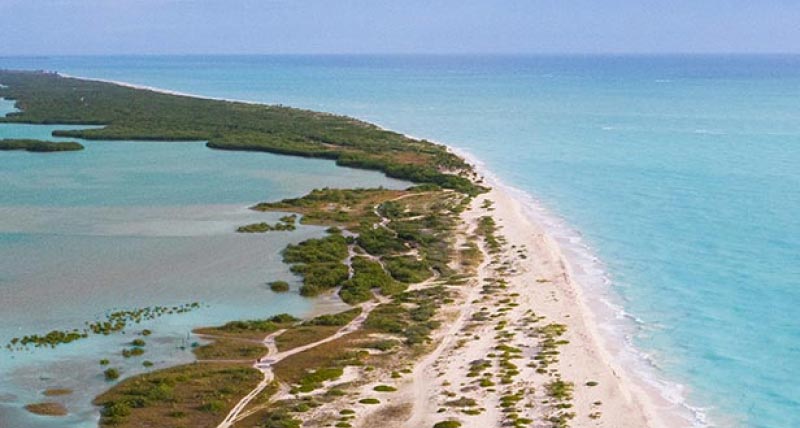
{"x":124,"y":225}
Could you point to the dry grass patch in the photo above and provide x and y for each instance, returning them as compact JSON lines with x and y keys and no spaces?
{"x":47,"y":409}
{"x":336,"y":353}
{"x":230,"y":349}
{"x":303,"y":335}
{"x":389,"y":415}
{"x":192,"y":395}
{"x":54,"y":392}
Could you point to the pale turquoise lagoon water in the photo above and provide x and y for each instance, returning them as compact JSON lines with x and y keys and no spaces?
{"x":681,"y":174}
{"x":124,"y":225}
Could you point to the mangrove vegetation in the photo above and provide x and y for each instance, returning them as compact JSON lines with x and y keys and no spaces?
{"x":39,"y":146}
{"x":128,"y":113}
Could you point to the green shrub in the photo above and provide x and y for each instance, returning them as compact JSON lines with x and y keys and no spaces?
{"x":116,"y":410}
{"x":384,"y":388}
{"x":368,"y":274}
{"x":332,"y":248}
{"x":111,"y":374}
{"x":447,"y":424}
{"x":378,"y":241}
{"x":407,"y":269}
{"x":133,"y":352}
{"x":319,"y":277}
{"x":279,"y":286}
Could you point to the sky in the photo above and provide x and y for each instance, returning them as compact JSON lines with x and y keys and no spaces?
{"x":97,"y":27}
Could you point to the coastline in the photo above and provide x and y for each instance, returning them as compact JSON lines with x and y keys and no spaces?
{"x":587,"y":290}
{"x":159,"y":90}
{"x":636,"y":404}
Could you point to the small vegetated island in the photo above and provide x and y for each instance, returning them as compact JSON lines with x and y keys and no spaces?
{"x":409,"y":261}
{"x":39,"y":145}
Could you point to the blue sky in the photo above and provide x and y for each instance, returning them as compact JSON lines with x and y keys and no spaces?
{"x":42,"y":27}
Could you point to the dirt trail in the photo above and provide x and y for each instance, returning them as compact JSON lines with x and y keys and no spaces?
{"x":265,"y":363}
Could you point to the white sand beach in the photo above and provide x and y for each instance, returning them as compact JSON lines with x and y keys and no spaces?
{"x":541,"y":282}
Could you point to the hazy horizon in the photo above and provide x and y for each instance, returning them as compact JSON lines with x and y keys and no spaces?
{"x":414,"y":54}
{"x":351,"y":27}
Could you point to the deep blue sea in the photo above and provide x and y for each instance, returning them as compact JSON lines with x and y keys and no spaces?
{"x":681,"y":174}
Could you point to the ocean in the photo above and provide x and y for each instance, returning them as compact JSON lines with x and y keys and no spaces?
{"x":672,"y":180}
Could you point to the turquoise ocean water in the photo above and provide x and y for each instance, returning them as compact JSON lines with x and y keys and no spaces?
{"x":675,"y":179}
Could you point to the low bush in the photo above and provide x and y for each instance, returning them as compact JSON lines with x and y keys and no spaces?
{"x":111,"y":374}
{"x":279,"y":286}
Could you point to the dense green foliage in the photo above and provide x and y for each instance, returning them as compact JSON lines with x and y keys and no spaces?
{"x":319,"y":262}
{"x":137,"y":114}
{"x":368,"y":274}
{"x":318,"y":277}
{"x":39,"y":145}
{"x":286,"y":223}
{"x":262,"y":326}
{"x":379,"y":241}
{"x":279,"y":286}
{"x":407,"y":269}
{"x":406,"y":242}
{"x":414,"y":324}
{"x":332,"y":248}
{"x":111,"y":374}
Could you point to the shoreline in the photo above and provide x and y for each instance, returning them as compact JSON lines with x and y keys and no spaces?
{"x":600,"y":309}
{"x":161,"y":90}
{"x":595,"y":312}
{"x":600,"y":306}
{"x":518,"y":203}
